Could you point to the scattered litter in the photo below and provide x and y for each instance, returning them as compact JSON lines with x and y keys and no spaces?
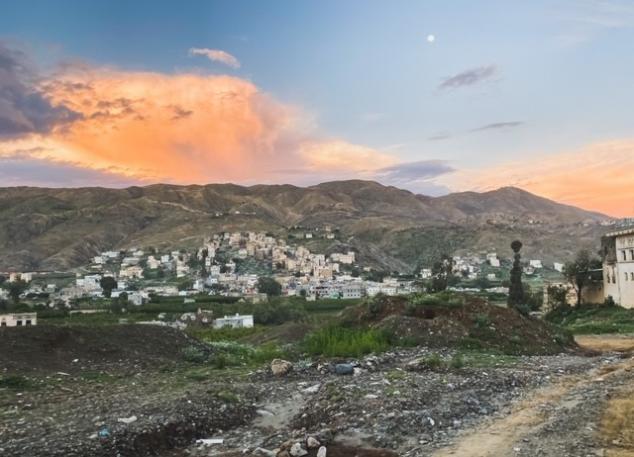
{"x":344,"y":369}
{"x":127,"y":420}
{"x":210,"y":441}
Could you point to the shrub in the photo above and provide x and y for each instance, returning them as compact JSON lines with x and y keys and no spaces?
{"x":376,"y":304}
{"x":193,"y":354}
{"x":279,"y":311}
{"x":337,"y":341}
{"x":482,"y":320}
{"x":14,"y":382}
{"x":432,"y":362}
{"x":457,"y":361}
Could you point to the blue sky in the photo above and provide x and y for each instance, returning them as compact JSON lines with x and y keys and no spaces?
{"x":530,"y":79}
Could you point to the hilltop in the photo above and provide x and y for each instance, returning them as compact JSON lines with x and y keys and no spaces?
{"x":44,"y":228}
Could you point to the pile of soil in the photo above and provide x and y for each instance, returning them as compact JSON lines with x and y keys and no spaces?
{"x":473,"y":324}
{"x":48,"y":348}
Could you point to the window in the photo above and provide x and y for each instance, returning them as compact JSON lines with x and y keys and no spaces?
{"x":28,"y":322}
{"x":624,"y":255}
{"x":18,"y":323}
{"x":632,"y":276}
{"x":3,"y":324}
{"x":631,"y":254}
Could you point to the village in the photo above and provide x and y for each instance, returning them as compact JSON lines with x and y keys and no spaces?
{"x":232,"y":265}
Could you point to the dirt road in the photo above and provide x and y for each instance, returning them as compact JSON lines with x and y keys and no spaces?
{"x":580,"y":415}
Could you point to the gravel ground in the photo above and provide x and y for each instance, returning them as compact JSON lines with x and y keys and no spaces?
{"x":393,"y":401}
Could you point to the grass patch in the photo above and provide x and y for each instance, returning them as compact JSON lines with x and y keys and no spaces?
{"x":210,"y":334}
{"x":335,"y":341}
{"x":230,"y":354}
{"x":597,"y":319}
{"x":15,"y":382}
{"x":617,"y":423}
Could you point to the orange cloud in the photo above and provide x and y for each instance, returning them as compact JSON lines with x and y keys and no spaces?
{"x":597,"y":177}
{"x":191,"y":128}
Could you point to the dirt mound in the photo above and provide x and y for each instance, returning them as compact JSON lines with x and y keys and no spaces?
{"x":468,"y":323}
{"x":46,"y":348}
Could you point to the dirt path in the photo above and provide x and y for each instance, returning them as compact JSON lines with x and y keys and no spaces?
{"x":563,"y":419}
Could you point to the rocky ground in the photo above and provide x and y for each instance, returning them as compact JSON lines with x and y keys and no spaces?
{"x":410,"y":402}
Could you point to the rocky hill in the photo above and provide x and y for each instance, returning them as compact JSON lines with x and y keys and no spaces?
{"x":390,"y":228}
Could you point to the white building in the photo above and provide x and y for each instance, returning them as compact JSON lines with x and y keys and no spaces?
{"x":26,"y":277}
{"x":18,"y":319}
{"x":558,"y":267}
{"x":237,"y":321}
{"x":618,"y":267}
{"x":536,"y":263}
{"x":493,"y":260}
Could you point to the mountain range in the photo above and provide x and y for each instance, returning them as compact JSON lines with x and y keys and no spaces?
{"x":389,"y":228}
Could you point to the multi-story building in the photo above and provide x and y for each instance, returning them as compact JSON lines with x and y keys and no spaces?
{"x":618,"y":266}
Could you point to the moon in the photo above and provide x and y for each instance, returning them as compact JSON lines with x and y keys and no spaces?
{"x":431,"y":38}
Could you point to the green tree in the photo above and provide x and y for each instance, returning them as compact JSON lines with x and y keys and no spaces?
{"x":118,"y":304}
{"x":203,"y":262}
{"x":579,"y":271}
{"x":269,"y":286}
{"x":441,"y":272}
{"x":107,"y":283}
{"x":516,"y":289}
{"x":185,"y":284}
{"x":15,"y":289}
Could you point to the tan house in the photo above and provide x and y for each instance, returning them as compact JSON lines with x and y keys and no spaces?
{"x":18,"y":319}
{"x":618,"y":266}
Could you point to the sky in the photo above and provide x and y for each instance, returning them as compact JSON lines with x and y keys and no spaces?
{"x":429,"y":96}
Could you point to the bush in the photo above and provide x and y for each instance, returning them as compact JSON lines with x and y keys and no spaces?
{"x":432,"y":362}
{"x":279,"y":311}
{"x":457,"y":361}
{"x":337,"y":341}
{"x":375,"y":304}
{"x":14,"y":382}
{"x":482,"y":320}
{"x":193,"y":354}
{"x":441,"y":299}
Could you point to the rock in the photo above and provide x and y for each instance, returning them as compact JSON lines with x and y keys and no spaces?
{"x":297,"y":450}
{"x":321,"y":452}
{"x":344,"y":369}
{"x":281,"y":367}
{"x":325,"y":436}
{"x":312,"y":389}
{"x":312,"y":443}
{"x":265,"y":452}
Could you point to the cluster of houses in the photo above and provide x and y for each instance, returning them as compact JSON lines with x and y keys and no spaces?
{"x":471,"y":266}
{"x":213,"y":268}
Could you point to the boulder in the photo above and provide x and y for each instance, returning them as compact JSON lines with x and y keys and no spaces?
{"x":297,"y":450}
{"x":281,"y":367}
{"x":312,"y":443}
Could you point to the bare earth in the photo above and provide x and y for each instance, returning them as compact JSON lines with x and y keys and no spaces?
{"x":567,"y":418}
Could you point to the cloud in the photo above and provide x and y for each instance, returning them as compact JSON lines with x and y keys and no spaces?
{"x":416,"y":176}
{"x":596,"y":177}
{"x":216,"y":55}
{"x":499,"y":126}
{"x":589,"y":18}
{"x":23,"y":107}
{"x":27,"y":168}
{"x":469,"y":77}
{"x":131,"y":126}
{"x":439,"y":137}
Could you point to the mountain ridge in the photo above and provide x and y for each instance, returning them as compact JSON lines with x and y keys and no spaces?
{"x":392,"y":228}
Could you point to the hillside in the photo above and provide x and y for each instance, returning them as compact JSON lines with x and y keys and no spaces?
{"x":391,"y":228}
